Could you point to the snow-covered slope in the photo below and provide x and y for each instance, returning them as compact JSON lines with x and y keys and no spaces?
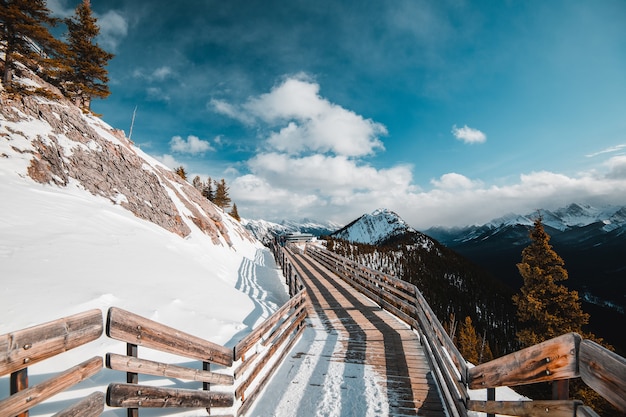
{"x":87,"y":221}
{"x":374,"y":228}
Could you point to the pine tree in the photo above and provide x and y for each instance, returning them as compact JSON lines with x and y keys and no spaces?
{"x":26,"y":39}
{"x":181,"y":172}
{"x":221,"y":194}
{"x":234,"y":213}
{"x":87,"y":77}
{"x":468,"y":342}
{"x":197,"y":183}
{"x":545,"y":308}
{"x":207,"y":190}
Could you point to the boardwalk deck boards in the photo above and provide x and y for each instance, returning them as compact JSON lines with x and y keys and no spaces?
{"x":373,"y":337}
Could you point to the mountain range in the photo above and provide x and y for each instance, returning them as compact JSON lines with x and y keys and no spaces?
{"x":590,"y":240}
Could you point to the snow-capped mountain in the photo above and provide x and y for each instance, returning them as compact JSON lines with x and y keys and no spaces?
{"x":374,"y":228}
{"x":572,"y":216}
{"x":591,"y":241}
{"x":265,"y":230}
{"x":577,"y":224}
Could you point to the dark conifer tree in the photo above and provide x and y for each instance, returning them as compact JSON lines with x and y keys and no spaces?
{"x":25,"y":38}
{"x":181,"y":172}
{"x":545,"y":308}
{"x":222,"y":199}
{"x":197,"y":183}
{"x":87,"y":77}
{"x":234,"y":213}
{"x":208,"y":191}
{"x":468,"y":341}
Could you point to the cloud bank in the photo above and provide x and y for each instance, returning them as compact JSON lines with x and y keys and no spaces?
{"x":312,"y":162}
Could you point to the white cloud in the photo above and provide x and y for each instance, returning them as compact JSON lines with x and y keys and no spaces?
{"x":159,"y":74}
{"x":312,"y":166}
{"x":454,"y":181}
{"x":227,"y":109}
{"x":468,"y":134}
{"x":310,"y":123}
{"x":191,"y":145}
{"x":113,"y":28}
{"x":617,"y":167}
{"x":612,"y":149}
{"x":162,"y":73}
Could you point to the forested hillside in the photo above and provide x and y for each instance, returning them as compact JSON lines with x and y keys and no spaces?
{"x":454,"y":287}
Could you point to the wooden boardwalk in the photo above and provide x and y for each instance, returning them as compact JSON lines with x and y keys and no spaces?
{"x":373,"y":337}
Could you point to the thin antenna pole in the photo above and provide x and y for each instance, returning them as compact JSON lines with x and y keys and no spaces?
{"x":132,"y":123}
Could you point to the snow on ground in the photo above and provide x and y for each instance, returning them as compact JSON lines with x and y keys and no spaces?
{"x":310,"y":383}
{"x":64,"y":251}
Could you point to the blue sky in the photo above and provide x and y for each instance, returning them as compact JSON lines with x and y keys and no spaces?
{"x":447,"y":112}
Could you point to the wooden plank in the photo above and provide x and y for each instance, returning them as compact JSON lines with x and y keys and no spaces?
{"x":147,"y":367}
{"x":144,"y":396}
{"x":553,"y":359}
{"x":132,"y":328}
{"x":26,"y":347}
{"x":605,"y":372}
{"x":272,"y":337}
{"x":585,"y":411}
{"x":251,"y":397}
{"x":252,"y":338}
{"x":90,"y":406}
{"x":30,"y":397}
{"x":560,"y":408}
{"x":239,"y":391}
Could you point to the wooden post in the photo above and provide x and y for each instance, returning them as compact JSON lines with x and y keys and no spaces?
{"x":560,"y":389}
{"x":491,"y":396}
{"x":19,"y":382}
{"x":132,"y":377}
{"x":206,"y":366}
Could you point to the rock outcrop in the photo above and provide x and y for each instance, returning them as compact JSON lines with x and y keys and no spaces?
{"x":68,"y":146}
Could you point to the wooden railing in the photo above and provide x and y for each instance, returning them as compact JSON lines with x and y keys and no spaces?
{"x":558,"y":359}
{"x":242,"y":370}
{"x":24,"y":348}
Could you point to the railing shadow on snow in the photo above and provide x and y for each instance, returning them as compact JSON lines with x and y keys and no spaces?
{"x":240,"y":373}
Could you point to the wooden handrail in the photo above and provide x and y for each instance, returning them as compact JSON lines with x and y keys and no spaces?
{"x":131,"y":328}
{"x":252,"y":338}
{"x":24,"y":400}
{"x":551,"y":360}
{"x":23,"y":348}
{"x":561,"y":358}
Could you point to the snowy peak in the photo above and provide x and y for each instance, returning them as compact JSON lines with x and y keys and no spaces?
{"x":374,"y":228}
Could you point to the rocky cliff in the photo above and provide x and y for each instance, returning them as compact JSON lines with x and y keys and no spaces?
{"x":58,"y":144}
